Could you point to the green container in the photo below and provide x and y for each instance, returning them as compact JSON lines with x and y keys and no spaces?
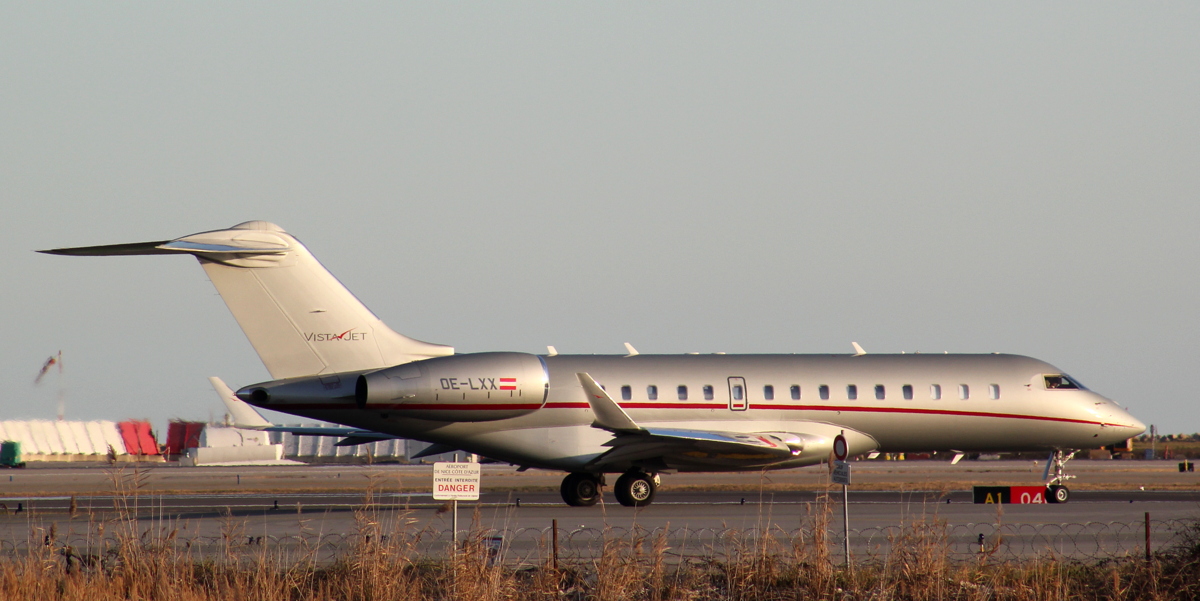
{"x":10,"y":454}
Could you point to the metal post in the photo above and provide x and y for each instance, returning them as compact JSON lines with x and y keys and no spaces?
{"x":554,"y":543}
{"x":1147,"y":536}
{"x":454,"y":549}
{"x":846,"y":521}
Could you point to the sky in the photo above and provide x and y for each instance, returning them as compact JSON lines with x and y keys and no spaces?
{"x":776,"y":177}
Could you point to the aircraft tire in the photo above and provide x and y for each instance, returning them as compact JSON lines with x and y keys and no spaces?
{"x":580,"y":490}
{"x":635,"y":489}
{"x":1058,"y":494}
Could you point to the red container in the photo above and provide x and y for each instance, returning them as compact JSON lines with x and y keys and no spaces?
{"x":146,"y":439}
{"x":129,"y":436}
{"x":176,"y":431}
{"x":192,"y":439}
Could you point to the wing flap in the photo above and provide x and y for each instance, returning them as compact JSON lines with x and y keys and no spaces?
{"x":656,"y":443}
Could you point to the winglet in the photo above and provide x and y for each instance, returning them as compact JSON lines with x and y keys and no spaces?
{"x":609,"y":415}
{"x":632,"y":351}
{"x":858,"y":350}
{"x":244,"y":416}
{"x":551,"y":351}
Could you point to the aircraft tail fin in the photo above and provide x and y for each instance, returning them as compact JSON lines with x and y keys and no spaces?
{"x":300,"y":319}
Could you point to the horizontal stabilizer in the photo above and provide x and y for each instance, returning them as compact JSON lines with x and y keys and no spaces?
{"x":211,"y":248}
{"x":220,"y":243}
{"x":113,"y":250}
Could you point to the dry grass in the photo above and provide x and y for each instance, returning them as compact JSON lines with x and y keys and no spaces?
{"x":129,"y":560}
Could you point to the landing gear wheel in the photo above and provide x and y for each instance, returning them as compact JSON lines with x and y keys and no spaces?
{"x":1057,"y":493}
{"x":635,"y":489}
{"x":580,"y":490}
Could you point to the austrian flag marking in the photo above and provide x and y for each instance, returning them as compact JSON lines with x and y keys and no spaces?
{"x":508,"y":383}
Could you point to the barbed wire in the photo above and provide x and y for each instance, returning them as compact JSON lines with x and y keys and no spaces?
{"x":956,"y":542}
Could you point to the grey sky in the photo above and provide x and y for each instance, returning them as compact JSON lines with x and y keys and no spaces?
{"x":777,"y":177}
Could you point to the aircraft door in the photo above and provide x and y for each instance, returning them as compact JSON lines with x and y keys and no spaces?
{"x":737,"y":394}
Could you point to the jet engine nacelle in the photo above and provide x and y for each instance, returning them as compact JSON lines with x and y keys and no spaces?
{"x":473,"y":387}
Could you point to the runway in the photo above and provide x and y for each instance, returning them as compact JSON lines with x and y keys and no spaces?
{"x":98,"y":478}
{"x":693,"y":509}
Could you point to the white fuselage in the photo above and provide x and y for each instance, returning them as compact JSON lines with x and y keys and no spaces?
{"x":1007,"y":406}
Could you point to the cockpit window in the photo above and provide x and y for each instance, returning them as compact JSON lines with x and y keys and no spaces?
{"x":1062,"y":382}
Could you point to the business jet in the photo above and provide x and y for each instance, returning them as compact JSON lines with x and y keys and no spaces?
{"x":632,"y":415}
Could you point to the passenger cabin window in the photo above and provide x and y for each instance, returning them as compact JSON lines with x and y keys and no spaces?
{"x":626,"y":392}
{"x":964,"y":391}
{"x":824,"y":390}
{"x":907,"y":390}
{"x":994,"y":391}
{"x":880,"y":393}
{"x":681,"y":391}
{"x":708,"y":392}
{"x":1061,"y":382}
{"x":935,"y":391}
{"x":652,"y":392}
{"x":852,"y":392}
{"x":795,"y":392}
{"x":769,"y":392}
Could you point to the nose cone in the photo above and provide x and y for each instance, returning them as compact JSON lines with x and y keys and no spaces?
{"x":1127,"y":425}
{"x":1135,"y":427}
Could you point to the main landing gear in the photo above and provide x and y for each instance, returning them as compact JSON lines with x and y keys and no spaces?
{"x":1056,"y":492}
{"x":634,"y":489}
{"x":581,"y":490}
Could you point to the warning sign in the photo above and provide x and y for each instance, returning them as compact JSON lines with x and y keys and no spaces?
{"x":841,"y":472}
{"x":455,"y":481}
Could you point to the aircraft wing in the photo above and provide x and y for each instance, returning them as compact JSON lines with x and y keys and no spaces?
{"x":246,"y":417}
{"x":633,"y":444}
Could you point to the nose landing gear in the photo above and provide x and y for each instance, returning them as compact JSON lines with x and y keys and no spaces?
{"x":1056,"y":492}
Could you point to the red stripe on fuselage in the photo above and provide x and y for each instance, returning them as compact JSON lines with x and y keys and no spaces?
{"x":914,"y":411}
{"x":928,"y":412}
